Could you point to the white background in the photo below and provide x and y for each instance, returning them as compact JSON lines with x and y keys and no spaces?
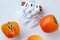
{"x":8,"y":12}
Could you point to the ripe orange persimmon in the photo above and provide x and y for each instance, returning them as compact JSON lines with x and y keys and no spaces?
{"x":34,"y":37}
{"x":49,"y":23}
{"x":10,"y":29}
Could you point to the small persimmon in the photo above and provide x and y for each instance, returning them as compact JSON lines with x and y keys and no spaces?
{"x":34,"y":37}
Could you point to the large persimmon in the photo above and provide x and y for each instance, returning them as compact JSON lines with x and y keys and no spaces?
{"x":10,"y":29}
{"x":49,"y":23}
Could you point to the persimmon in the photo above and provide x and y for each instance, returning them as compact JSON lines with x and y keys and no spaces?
{"x":34,"y":37}
{"x":49,"y":23}
{"x":10,"y":29}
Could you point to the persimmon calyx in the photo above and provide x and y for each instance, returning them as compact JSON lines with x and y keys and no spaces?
{"x":10,"y":28}
{"x":55,"y":20}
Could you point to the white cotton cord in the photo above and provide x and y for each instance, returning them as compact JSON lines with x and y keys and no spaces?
{"x":31,"y":13}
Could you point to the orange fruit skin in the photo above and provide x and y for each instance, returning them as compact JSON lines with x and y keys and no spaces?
{"x":7,"y":32}
{"x":48,"y":24}
{"x":34,"y":37}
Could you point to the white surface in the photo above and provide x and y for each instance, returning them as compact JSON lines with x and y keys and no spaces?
{"x":10,"y":10}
